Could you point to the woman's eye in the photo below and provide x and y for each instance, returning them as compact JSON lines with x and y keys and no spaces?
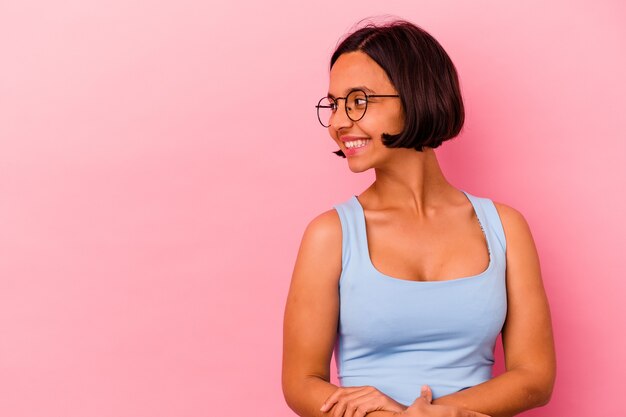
{"x":360,"y":101}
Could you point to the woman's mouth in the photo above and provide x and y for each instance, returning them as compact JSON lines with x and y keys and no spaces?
{"x":355,"y":146}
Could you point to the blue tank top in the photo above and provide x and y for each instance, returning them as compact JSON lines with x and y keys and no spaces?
{"x":397,"y":335}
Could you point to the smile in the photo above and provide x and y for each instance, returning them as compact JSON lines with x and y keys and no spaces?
{"x":357,"y":143}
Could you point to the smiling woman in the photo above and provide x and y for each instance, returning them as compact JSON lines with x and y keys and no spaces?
{"x":425,"y":77}
{"x":384,"y":114}
{"x":410,"y":282}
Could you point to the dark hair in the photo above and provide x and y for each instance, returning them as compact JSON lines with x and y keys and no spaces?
{"x":422,"y":73}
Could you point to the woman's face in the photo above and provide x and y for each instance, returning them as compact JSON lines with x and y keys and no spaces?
{"x":384,"y":115}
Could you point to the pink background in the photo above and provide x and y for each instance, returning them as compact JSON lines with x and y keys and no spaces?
{"x":159,"y":162}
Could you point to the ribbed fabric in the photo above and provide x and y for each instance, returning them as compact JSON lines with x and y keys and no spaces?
{"x":397,"y":335}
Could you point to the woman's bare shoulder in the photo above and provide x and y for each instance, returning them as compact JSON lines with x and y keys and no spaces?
{"x":318,"y":264}
{"x":513,"y":221}
{"x":324,"y":229}
{"x":521,"y":252}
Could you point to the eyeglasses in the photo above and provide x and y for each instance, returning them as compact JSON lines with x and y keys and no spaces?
{"x":355,"y":103}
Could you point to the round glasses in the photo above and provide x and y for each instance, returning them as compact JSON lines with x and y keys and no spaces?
{"x":355,"y":103}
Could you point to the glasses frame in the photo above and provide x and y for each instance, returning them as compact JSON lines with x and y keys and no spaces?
{"x":336,"y":100}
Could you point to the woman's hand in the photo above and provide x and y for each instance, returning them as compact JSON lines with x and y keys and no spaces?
{"x":423,"y":407}
{"x":358,"y":401}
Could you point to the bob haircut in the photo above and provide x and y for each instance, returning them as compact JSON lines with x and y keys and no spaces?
{"x":422,"y":73}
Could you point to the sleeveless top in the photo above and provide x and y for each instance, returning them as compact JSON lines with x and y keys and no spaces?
{"x":397,"y":335}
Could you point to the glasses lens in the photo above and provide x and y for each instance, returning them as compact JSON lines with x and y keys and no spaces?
{"x":325,"y":110}
{"x":356,"y":104}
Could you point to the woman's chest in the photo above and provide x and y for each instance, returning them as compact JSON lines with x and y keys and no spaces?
{"x":377,"y":310}
{"x":445,"y":249}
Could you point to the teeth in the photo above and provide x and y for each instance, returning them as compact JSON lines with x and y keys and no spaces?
{"x":356,"y":143}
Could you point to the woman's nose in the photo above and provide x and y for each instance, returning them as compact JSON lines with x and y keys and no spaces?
{"x":340,"y":117}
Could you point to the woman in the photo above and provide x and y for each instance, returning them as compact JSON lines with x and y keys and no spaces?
{"x":411,"y":281}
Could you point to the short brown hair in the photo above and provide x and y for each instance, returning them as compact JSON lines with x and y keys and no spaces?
{"x":422,"y":73}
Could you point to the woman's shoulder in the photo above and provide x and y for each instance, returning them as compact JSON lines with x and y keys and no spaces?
{"x":513,"y":222}
{"x":319,"y":256}
{"x":324,"y":229}
{"x":508,"y":215}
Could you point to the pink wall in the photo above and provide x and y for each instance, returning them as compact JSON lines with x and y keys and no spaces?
{"x":160,"y":160}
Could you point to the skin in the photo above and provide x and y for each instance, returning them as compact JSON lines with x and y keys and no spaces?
{"x":419,"y":227}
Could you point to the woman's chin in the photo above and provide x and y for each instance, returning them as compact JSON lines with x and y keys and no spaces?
{"x":357,"y":167}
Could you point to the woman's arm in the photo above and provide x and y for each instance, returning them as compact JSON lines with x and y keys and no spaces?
{"x":311,"y":316}
{"x":526,"y":336}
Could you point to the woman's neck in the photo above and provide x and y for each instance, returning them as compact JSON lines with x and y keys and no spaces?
{"x":411,"y":180}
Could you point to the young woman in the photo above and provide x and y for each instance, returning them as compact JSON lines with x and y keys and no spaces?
{"x":410,"y":282}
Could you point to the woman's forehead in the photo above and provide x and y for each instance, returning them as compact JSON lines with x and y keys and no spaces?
{"x":354,"y":70}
